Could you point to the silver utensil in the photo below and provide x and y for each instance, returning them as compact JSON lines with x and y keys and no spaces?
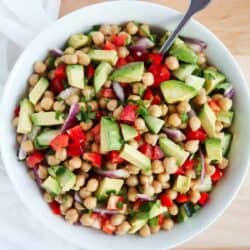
{"x":194,"y":7}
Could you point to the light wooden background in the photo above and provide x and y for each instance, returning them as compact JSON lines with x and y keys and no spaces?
{"x":230,"y":21}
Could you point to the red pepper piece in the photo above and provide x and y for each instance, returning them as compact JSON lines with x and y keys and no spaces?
{"x":166,"y":201}
{"x":198,"y":134}
{"x":34,"y":159}
{"x":157,"y":153}
{"x":146,"y":149}
{"x":214,"y":106}
{"x":130,"y":58}
{"x":55,"y":207}
{"x":60,"y":141}
{"x":96,"y":132}
{"x":218,"y":174}
{"x":114,"y":157}
{"x":160,"y":219}
{"x":119,"y":40}
{"x":155,"y":58}
{"x":76,"y":134}
{"x":109,"y":46}
{"x":188,"y":164}
{"x":138,"y":138}
{"x":182,"y":198}
{"x":108,"y":93}
{"x":56,"y":85}
{"x":90,"y":70}
{"x":156,"y":100}
{"x":129,"y":114}
{"x":94,"y":158}
{"x":74,"y":149}
{"x":60,"y":71}
{"x":121,"y":62}
{"x":204,"y":198}
{"x":180,"y":171}
{"x":139,"y":55}
{"x":107,"y":227}
{"x":160,"y":72}
{"x":148,"y":94}
{"x":17,"y":111}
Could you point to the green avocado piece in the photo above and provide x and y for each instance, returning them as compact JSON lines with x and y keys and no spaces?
{"x":128,"y":132}
{"x":184,"y":71}
{"x":110,"y":135}
{"x":131,"y":72}
{"x":171,"y":149}
{"x":182,"y":184}
{"x":136,"y":158}
{"x":108,"y":185}
{"x":37,"y":92}
{"x":154,"y":124}
{"x":225,"y":116}
{"x":176,"y":91}
{"x":214,"y":149}
{"x":213,"y":78}
{"x":137,"y":224}
{"x":208,"y":119}
{"x":77,"y":41}
{"x":24,"y":125}
{"x":44,"y":138}
{"x":101,"y":75}
{"x":47,"y":118}
{"x":109,"y":56}
{"x":226,"y":143}
{"x":157,"y":209}
{"x":75,"y":75}
{"x":51,"y":185}
{"x":195,"y":82}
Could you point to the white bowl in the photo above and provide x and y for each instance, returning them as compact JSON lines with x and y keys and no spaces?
{"x":117,"y":12}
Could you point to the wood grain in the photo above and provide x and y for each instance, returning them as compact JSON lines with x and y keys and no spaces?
{"x":230,"y":21}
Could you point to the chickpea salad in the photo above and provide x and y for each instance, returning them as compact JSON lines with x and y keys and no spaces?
{"x":121,"y":138}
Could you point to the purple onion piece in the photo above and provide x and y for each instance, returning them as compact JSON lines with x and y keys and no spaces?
{"x":105,"y":211}
{"x":67,"y":93}
{"x":195,"y":44}
{"x":56,"y":52}
{"x":37,"y":179}
{"x":119,"y":173}
{"x":142,"y":44}
{"x":77,"y":197}
{"x":22,"y":154}
{"x":191,"y":113}
{"x":174,"y":134}
{"x":144,"y":197}
{"x":230,"y":92}
{"x":203,"y":169}
{"x":74,"y":109}
{"x":119,"y":91}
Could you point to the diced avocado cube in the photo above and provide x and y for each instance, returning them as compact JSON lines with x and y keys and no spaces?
{"x":176,"y":91}
{"x":182,"y":184}
{"x":226,"y":143}
{"x":51,"y":185}
{"x":109,"y":56}
{"x":101,"y":75}
{"x":136,"y":158}
{"x":128,"y":132}
{"x":195,"y":82}
{"x":171,"y":149}
{"x":47,"y":118}
{"x":110,"y":135}
{"x":206,"y":185}
{"x":78,"y":40}
{"x":214,"y":149}
{"x":131,"y":72}
{"x":37,"y":92}
{"x":213,"y":78}
{"x":184,"y":71}
{"x":75,"y":75}
{"x":225,"y":116}
{"x":24,"y":125}
{"x":137,"y":224}
{"x":108,"y":185}
{"x":153,"y":123}
{"x":208,"y":119}
{"x":44,"y":138}
{"x":184,"y":53}
{"x":157,"y":209}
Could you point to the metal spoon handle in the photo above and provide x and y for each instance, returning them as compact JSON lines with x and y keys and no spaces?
{"x":195,"y":6}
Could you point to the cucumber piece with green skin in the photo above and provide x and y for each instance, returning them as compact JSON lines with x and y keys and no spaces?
{"x":51,"y":185}
{"x":214,"y":149}
{"x":131,"y":72}
{"x":101,"y":75}
{"x":39,"y":89}
{"x":128,"y":132}
{"x":109,"y":56}
{"x":77,"y":41}
{"x":44,"y":138}
{"x":154,"y":124}
{"x":24,"y":125}
{"x":47,"y":118}
{"x":177,"y":91}
{"x":195,"y":82}
{"x":157,"y":209}
{"x":206,"y":185}
{"x":75,"y":75}
{"x":172,"y":149}
{"x":182,"y":184}
{"x":137,"y":224}
{"x":225,"y":116}
{"x":226,"y":143}
{"x":184,"y":71}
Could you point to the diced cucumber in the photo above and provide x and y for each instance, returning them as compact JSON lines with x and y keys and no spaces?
{"x":51,"y":185}
{"x":109,"y":56}
{"x":37,"y":92}
{"x":214,"y":149}
{"x":154,"y":124}
{"x":225,"y":116}
{"x":101,"y":75}
{"x":182,"y":184}
{"x":77,"y":41}
{"x":44,"y":138}
{"x":206,"y":185}
{"x":226,"y":143}
{"x":47,"y":118}
{"x":128,"y":132}
{"x":195,"y":82}
{"x":184,"y":71}
{"x":75,"y":75}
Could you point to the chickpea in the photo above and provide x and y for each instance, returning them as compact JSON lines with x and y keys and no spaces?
{"x":223,"y":164}
{"x":123,"y":228}
{"x":83,"y":58}
{"x":42,"y":172}
{"x":115,"y":29}
{"x":132,"y":169}
{"x":132,"y":194}
{"x":87,"y":220}
{"x":132,"y":181}
{"x":85,"y":167}
{"x":201,"y":98}
{"x":157,"y":186}
{"x":192,"y":146}
{"x":225,"y":103}
{"x":72,"y":216}
{"x":155,"y":229}
{"x":167,"y":224}
{"x":75,"y":163}
{"x":111,"y":166}
{"x":190,"y":173}
{"x":52,"y":161}
{"x":132,"y":28}
{"x":194,"y":196}
{"x":69,"y":51}
{"x":202,"y":58}
{"x":133,"y":143}
{"x":27,"y":146}
{"x":19,"y":138}
{"x":93,"y":105}
{"x":78,"y":206}
{"x":140,"y":124}
{"x":171,"y":194}
{"x":173,"y":210}
{"x":47,"y":103}
{"x":117,"y":219}
{"x":88,"y":92}
{"x":217,"y":97}
{"x":72,"y":99}
{"x":169,"y":164}
{"x":174,"y":120}
{"x":39,"y":67}
{"x":90,"y":202}
{"x":67,"y":202}
{"x":183,"y":107}
{"x":84,"y":193}
{"x":157,"y":167}
{"x":38,"y":107}
{"x":163,"y":178}
{"x":195,"y":184}
{"x":80,"y":181}
{"x":144,"y":180}
{"x":151,"y":138}
{"x":172,"y":62}
{"x":145,"y":231}
{"x":47,"y":197}
{"x":136,"y":87}
{"x":155,"y":110}
{"x":33,"y":79}
{"x":59,"y":106}
{"x":148,"y":190}
{"x":15,"y":122}
{"x":164,"y":109}
{"x":134,"y":98}
{"x":117,"y":112}
{"x":210,"y":170}
{"x":92,"y":185}
{"x":105,"y":29}
{"x":148,"y":79}
{"x":123,"y":52}
{"x":194,"y":123}
{"x":86,"y":125}
{"x":69,"y":59}
{"x":97,"y":37}
{"x":112,"y":104}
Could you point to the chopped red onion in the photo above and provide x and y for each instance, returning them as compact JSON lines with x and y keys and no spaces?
{"x":144,"y":197}
{"x":119,"y":91}
{"x":203,"y":169}
{"x":191,"y":113}
{"x":56,"y":52}
{"x":230,"y":92}
{"x":37,"y":179}
{"x":105,"y":211}
{"x":195,"y":44}
{"x":22,"y":154}
{"x":77,"y":197}
{"x":69,"y":122}
{"x":142,"y":44}
{"x":174,"y":134}
{"x":67,"y":93}
{"x":119,"y":173}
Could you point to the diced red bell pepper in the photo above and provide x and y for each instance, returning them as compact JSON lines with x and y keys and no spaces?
{"x":188,"y":164}
{"x":34,"y":159}
{"x":146,"y":149}
{"x":155,"y":58}
{"x":160,"y":219}
{"x":94,"y":158}
{"x":76,"y":134}
{"x":138,"y":138}
{"x":74,"y":149}
{"x":96,"y":132}
{"x":204,"y":198}
{"x":56,"y":85}
{"x":98,"y":115}
{"x":130,"y":58}
{"x":107,"y":227}
{"x":218,"y":174}
{"x":129,"y":113}
{"x":214,"y":106}
{"x":166,"y":201}
{"x":114,"y":157}
{"x":55,"y":207}
{"x":60,"y":141}
{"x":90,"y":70}
{"x":121,"y":62}
{"x":119,"y":40}
{"x":182,"y":198}
{"x":160,"y":72}
{"x":180,"y":171}
{"x":198,"y":134}
{"x":113,"y":201}
{"x":60,"y":71}
{"x":109,"y":46}
{"x":17,"y":111}
{"x":156,"y":100}
{"x":98,"y":220}
{"x":157,"y":153}
{"x":139,"y":55}
{"x":107,"y":93}
{"x":148,"y":94}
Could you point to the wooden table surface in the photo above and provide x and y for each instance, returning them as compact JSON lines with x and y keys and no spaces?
{"x":230,"y":21}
